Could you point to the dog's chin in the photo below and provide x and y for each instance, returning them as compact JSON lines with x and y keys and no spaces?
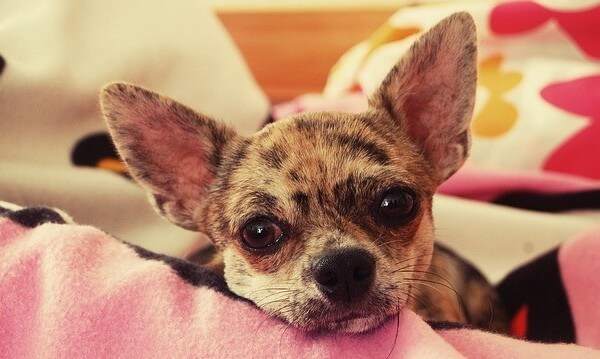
{"x":358,"y":325}
{"x":322,"y":316}
{"x":352,"y":324}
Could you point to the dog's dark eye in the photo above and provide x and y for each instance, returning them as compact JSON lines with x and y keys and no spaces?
{"x":261,"y":233}
{"x":397,"y":206}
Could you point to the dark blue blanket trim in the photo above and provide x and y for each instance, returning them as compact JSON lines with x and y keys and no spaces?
{"x":444,"y":325}
{"x":190,"y":272}
{"x":32,"y":216}
{"x":551,"y":202}
{"x":538,"y":286}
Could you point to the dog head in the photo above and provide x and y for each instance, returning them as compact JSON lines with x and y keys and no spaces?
{"x":323,"y":219}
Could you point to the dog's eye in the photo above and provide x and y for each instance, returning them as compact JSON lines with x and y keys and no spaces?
{"x":261,"y":233}
{"x":397,"y":206}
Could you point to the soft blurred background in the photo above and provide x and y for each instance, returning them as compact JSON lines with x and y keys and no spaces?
{"x":306,"y":37}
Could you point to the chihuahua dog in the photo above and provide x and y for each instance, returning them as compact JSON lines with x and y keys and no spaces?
{"x":324,"y":219}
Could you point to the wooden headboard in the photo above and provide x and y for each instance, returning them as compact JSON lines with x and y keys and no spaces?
{"x":291,"y":52}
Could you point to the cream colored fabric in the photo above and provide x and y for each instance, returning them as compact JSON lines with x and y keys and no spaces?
{"x":525,"y":49}
{"x":59,"y":53}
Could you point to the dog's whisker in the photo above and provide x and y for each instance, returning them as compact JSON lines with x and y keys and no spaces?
{"x":404,"y":260}
{"x":432,"y":284}
{"x":397,"y":331}
{"x":426,"y":272}
{"x":287,"y":326}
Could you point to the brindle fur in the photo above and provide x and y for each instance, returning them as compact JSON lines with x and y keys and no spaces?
{"x":320,"y":176}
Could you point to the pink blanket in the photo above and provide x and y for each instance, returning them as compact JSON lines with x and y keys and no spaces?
{"x":68,"y":291}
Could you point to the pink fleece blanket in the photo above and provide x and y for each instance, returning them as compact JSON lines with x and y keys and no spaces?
{"x":72,"y":291}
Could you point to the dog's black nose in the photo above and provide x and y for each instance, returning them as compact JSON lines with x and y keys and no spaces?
{"x":345,"y":275}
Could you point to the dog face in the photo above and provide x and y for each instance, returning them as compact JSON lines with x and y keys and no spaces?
{"x":322,"y":219}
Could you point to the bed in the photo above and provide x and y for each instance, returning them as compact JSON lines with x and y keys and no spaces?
{"x":87,"y":269}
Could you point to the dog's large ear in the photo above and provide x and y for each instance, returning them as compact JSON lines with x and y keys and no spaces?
{"x":430,"y":93}
{"x":169,"y":149}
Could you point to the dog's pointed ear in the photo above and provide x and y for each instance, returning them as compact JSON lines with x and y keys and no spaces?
{"x":172,"y":151}
{"x":430,"y":93}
